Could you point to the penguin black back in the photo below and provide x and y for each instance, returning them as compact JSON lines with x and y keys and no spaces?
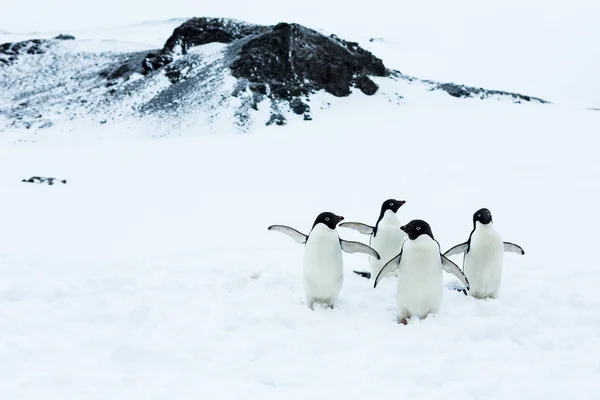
{"x":329,"y":219}
{"x":416,"y":228}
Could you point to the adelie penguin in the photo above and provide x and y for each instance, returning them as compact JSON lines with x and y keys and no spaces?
{"x":385,"y":237}
{"x":419,"y":264}
{"x":323,"y":273}
{"x":484,"y":256}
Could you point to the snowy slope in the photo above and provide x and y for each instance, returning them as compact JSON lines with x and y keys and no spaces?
{"x":151,"y":273}
{"x":212,"y":74}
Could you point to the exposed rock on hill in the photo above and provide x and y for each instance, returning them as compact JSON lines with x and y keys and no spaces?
{"x":209,"y":70}
{"x":9,"y":52}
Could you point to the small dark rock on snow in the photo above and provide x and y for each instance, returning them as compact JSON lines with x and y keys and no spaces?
{"x":40,"y":180}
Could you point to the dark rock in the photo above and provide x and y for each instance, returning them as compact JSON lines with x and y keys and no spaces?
{"x":40,"y":180}
{"x":276,"y":119}
{"x":462,"y":91}
{"x":62,"y":36}
{"x":296,"y":61}
{"x":131,"y":65}
{"x":366,"y":85}
{"x":298,"y":106}
{"x":284,"y":62}
{"x":9,"y":52}
{"x":154,"y":61}
{"x":196,"y":32}
{"x":455,"y":90}
{"x":199,"y":31}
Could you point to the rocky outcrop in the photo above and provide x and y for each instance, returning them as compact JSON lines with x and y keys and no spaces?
{"x":289,"y":60}
{"x":209,"y":69}
{"x":197,"y":32}
{"x":462,"y":91}
{"x":285,"y":62}
{"x":42,"y":180}
{"x":9,"y":52}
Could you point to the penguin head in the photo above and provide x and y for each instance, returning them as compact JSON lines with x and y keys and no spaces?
{"x":392,"y":205}
{"x":483,"y":216}
{"x":329,"y":219}
{"x":416,"y":228}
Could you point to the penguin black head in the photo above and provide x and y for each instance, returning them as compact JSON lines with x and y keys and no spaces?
{"x":391,"y":204}
{"x":416,"y":228}
{"x":329,"y":219}
{"x":483,"y":216}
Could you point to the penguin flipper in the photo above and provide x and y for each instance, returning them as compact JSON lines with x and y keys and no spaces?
{"x":291,"y":232}
{"x":390,"y":266}
{"x":513,"y":248}
{"x":453,"y":269}
{"x":357,"y":247}
{"x":358,"y":226}
{"x":459,"y":248}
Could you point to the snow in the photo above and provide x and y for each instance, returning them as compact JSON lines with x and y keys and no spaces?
{"x":151,"y":273}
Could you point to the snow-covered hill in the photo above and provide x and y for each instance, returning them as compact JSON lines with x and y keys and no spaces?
{"x":209,"y":70}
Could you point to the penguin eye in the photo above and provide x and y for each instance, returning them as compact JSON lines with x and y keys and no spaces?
{"x":391,"y":204}
{"x":326,"y":218}
{"x":418,"y":228}
{"x":478,"y":215}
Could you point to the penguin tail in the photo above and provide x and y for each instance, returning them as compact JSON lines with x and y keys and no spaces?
{"x":363,"y":274}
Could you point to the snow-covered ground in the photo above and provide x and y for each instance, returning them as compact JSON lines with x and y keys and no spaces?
{"x":151,"y":274}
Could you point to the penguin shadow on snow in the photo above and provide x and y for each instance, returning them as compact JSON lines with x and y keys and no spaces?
{"x":323,"y":265}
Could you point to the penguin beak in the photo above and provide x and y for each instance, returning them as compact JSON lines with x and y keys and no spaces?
{"x":340,"y":218}
{"x":402,"y":202}
{"x":403,"y":227}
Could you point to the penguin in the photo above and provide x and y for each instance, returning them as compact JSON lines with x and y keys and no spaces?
{"x":484,"y":256}
{"x":420,"y":284}
{"x":323,"y":273}
{"x":385,"y":237}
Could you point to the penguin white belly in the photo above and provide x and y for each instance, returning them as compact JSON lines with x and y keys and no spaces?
{"x":483,"y":262}
{"x":387,"y":242}
{"x":323,"y":267}
{"x":420,"y":280}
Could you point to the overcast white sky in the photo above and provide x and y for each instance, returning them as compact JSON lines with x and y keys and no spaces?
{"x":544,"y":48}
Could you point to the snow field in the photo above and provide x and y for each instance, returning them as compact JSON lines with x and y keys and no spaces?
{"x":151,"y":274}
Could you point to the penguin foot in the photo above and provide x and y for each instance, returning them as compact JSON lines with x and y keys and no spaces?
{"x":462,"y":290}
{"x":363,"y":274}
{"x":403,"y":321}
